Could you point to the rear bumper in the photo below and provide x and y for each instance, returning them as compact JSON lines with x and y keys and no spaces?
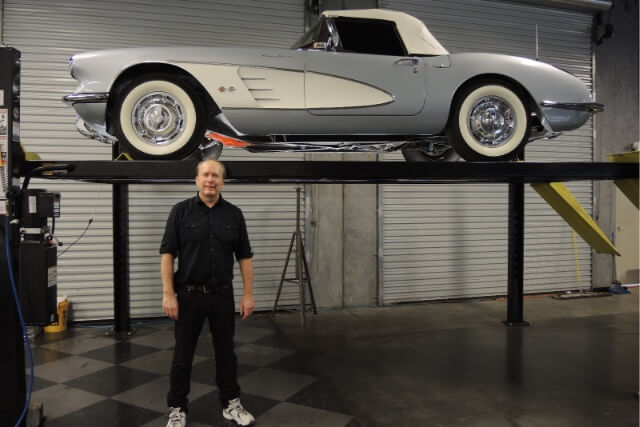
{"x":593,"y":107}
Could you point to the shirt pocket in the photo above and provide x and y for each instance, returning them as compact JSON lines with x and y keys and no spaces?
{"x":192,"y":231}
{"x":228,"y":234}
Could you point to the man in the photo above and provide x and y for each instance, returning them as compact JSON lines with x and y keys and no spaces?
{"x":204,"y":233}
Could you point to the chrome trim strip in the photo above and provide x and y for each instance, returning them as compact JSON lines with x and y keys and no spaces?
{"x":594,"y":107}
{"x":86,"y":98}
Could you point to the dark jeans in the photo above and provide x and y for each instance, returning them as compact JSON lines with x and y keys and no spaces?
{"x":193,"y":308}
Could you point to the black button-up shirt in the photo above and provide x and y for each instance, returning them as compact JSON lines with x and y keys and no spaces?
{"x":204,"y":240}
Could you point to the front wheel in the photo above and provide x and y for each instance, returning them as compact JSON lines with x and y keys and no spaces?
{"x":158,"y":117}
{"x":489,"y":121}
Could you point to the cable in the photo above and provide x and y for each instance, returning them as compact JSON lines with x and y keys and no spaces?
{"x":78,"y":238}
{"x":7,"y":238}
{"x":93,"y":211}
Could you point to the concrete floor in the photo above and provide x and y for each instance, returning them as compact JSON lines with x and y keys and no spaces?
{"x":456,"y":364}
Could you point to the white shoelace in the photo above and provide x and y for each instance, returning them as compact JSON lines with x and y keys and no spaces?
{"x":237,"y":406}
{"x":175,"y":416}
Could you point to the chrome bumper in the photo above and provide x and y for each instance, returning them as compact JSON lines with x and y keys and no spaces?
{"x":593,"y":107}
{"x":93,"y":132}
{"x":86,"y":98}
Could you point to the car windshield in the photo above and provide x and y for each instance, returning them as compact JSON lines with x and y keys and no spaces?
{"x":308,"y":38}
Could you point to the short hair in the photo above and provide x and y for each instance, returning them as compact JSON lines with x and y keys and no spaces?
{"x":224,"y":169}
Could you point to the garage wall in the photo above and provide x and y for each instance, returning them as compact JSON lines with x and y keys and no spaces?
{"x":48,"y":33}
{"x":448,"y":241}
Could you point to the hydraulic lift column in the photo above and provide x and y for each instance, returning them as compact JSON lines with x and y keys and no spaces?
{"x":13,"y":393}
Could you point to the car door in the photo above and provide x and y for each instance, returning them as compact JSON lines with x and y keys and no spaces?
{"x":352,"y":81}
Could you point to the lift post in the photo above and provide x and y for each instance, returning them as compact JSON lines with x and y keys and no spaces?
{"x":13,"y":393}
{"x":121,"y":295}
{"x":515,"y":278}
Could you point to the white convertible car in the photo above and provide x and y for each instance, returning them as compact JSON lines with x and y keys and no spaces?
{"x":359,"y":80}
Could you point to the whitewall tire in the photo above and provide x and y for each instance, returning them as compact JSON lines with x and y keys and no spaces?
{"x":489,"y":121}
{"x":156,"y":117}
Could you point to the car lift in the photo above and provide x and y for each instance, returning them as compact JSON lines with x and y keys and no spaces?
{"x":516,"y":174}
{"x":120,"y":173}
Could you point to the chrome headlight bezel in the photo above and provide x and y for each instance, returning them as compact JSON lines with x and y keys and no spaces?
{"x":71,"y":67}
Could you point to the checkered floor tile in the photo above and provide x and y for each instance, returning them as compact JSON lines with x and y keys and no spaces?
{"x":83,"y":377}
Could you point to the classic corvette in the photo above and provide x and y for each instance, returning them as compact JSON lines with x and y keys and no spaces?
{"x":359,"y":80}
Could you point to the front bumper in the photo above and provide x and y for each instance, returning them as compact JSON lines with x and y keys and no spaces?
{"x":94,"y":132}
{"x":86,"y":98}
{"x":91,"y":109}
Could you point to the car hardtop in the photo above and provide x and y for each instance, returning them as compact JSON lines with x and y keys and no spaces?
{"x":373,"y":31}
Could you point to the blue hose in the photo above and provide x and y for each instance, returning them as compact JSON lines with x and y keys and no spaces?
{"x":7,"y":239}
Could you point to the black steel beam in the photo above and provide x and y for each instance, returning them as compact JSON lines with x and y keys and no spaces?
{"x":319,"y":172}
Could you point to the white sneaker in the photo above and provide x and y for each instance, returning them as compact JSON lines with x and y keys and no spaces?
{"x":236,"y":412}
{"x":177,"y":418}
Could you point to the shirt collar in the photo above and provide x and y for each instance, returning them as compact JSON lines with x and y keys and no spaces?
{"x":198,"y":200}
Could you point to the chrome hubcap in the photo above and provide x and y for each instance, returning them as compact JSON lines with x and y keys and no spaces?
{"x":158,"y":118}
{"x":491,"y":121}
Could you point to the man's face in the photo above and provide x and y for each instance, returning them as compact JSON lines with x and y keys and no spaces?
{"x":209,"y":179}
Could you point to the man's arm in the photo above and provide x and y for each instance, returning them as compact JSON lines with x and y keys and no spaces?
{"x":169,"y":300}
{"x":248,"y":304}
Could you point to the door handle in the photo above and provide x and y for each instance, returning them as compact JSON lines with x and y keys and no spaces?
{"x":407,"y":61}
{"x":413,"y":62}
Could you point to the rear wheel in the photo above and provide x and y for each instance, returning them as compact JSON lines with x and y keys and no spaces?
{"x":158,"y":117}
{"x":489,"y":121}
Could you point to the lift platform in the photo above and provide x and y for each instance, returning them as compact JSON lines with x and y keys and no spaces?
{"x":318,"y":172}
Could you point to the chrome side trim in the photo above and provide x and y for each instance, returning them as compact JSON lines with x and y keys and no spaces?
{"x":86,"y":98}
{"x":594,"y":107}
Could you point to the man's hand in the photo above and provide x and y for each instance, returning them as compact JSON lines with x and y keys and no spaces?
{"x":170,"y":306}
{"x":246,"y":306}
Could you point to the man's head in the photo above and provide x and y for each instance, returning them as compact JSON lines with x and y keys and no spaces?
{"x":210,"y":179}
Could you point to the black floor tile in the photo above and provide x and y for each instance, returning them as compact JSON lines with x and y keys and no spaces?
{"x":44,"y":355}
{"x":355,"y":423}
{"x":205,"y":372}
{"x":207,"y":409}
{"x":205,"y":346}
{"x":39,"y":383}
{"x":113,"y":380}
{"x":321,"y":395}
{"x":119,"y":352}
{"x":259,"y":321}
{"x":292,"y":363}
{"x":275,"y":340}
{"x":107,"y":413}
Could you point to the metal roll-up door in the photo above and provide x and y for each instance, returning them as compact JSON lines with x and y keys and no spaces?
{"x":450,"y":241}
{"x":48,"y":33}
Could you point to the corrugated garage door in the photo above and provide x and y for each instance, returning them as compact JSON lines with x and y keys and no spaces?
{"x":47,"y":33}
{"x":448,"y":241}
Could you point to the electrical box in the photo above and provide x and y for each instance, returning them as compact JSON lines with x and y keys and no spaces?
{"x":38,"y":282}
{"x":37,"y":206}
